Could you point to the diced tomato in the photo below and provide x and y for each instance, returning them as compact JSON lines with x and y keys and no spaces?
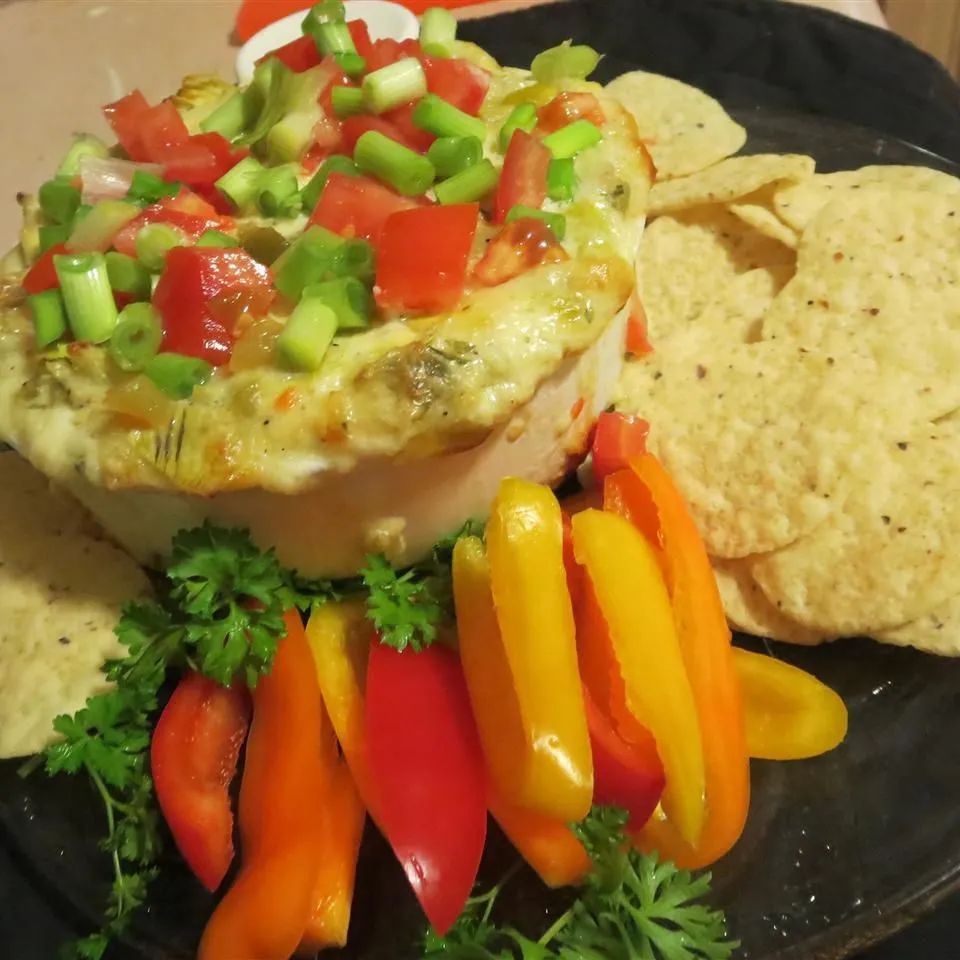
{"x":361,"y":38}
{"x":616,"y":439}
{"x":125,"y":116}
{"x":402,"y":120}
{"x":457,"y":81}
{"x":161,"y":128}
{"x":193,"y":757}
{"x":519,"y":247}
{"x":337,"y":79}
{"x":357,"y":207}
{"x":187,"y":212}
{"x":42,"y":276}
{"x":566,"y":107}
{"x":199,"y":295}
{"x":299,"y":55}
{"x":427,"y":768}
{"x":637,"y":342}
{"x":384,"y":52}
{"x":524,"y":176}
{"x":353,"y":128}
{"x":422,"y":259}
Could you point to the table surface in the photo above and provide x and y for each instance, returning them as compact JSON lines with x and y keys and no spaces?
{"x":99,"y":55}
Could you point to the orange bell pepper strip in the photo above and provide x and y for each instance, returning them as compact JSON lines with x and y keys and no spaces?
{"x":340,"y":635}
{"x":265,"y":912}
{"x":623,"y":571}
{"x":790,"y":714}
{"x":537,"y":631}
{"x":646,"y":494}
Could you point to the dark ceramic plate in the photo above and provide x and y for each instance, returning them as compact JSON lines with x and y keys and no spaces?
{"x":838,"y":852}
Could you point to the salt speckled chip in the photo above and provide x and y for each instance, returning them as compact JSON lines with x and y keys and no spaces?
{"x":935,"y":632}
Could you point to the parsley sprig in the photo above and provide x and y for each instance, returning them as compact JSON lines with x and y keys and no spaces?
{"x":632,"y":907}
{"x":221,"y":614}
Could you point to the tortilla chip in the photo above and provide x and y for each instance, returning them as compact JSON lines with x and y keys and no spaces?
{"x":934,"y":632}
{"x":889,"y":555}
{"x":729,"y":180}
{"x":798,"y":203}
{"x":61,"y":592}
{"x":749,"y":611}
{"x":684,"y":129}
{"x":765,"y":221}
{"x":687,"y":259}
{"x":761,"y":438}
{"x":879,"y":276}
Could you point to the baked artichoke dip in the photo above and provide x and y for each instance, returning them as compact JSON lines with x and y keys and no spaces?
{"x":335,"y":306}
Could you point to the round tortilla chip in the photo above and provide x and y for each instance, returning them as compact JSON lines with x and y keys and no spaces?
{"x":684,"y":129}
{"x":749,"y":611}
{"x":935,"y":632}
{"x":729,"y":180}
{"x":687,"y":259}
{"x":878,"y":275}
{"x":889,"y":555}
{"x":61,"y":592}
{"x":765,"y":221}
{"x":798,"y":203}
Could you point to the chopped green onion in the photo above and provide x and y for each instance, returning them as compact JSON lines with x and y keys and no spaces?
{"x":84,"y":145}
{"x":49,"y":317}
{"x":561,"y":179}
{"x":557,"y":222}
{"x":279,"y":192}
{"x":59,"y":200}
{"x":177,"y":375}
{"x":291,"y":137}
{"x":307,"y":336}
{"x":95,"y":230}
{"x":568,"y":141}
{"x":87,"y":296}
{"x":127,"y":275}
{"x":471,"y":184}
{"x":338,"y":163}
{"x":347,"y":101}
{"x":333,"y":38}
{"x":49,"y":235}
{"x":564,"y":62}
{"x":357,"y":259}
{"x":147,"y":188}
{"x":136,"y":338}
{"x":394,"y":85}
{"x":217,"y":238}
{"x":264,"y":100}
{"x":404,"y":169}
{"x":314,"y":256}
{"x":347,"y":297}
{"x":330,"y":11}
{"x":522,"y":117}
{"x":438,"y":29}
{"x":352,"y":64}
{"x":438,"y":51}
{"x":264,"y":244}
{"x":435,"y":115}
{"x":240,"y":184}
{"x":229,"y":119}
{"x":451,"y":155}
{"x":155,"y":241}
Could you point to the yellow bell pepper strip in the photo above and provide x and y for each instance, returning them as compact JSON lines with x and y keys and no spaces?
{"x":340,"y":635}
{"x":790,"y":714}
{"x":265,"y":912}
{"x":707,"y":652}
{"x":342,"y":816}
{"x":535,"y":616}
{"x":631,"y":594}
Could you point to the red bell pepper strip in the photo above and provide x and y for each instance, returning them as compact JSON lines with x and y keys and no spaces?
{"x":42,"y":275}
{"x":357,"y":207}
{"x":524,"y":176}
{"x":266,"y":911}
{"x":520,"y":246}
{"x":193,"y":759}
{"x":199,"y":295}
{"x":617,"y":438}
{"x":427,"y":770}
{"x":422,"y":258}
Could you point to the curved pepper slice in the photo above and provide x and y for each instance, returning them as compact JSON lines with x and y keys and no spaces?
{"x":535,"y":617}
{"x":623,"y":571}
{"x":265,"y":912}
{"x":426,"y":766}
{"x":647,"y":495}
{"x":790,"y":714}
